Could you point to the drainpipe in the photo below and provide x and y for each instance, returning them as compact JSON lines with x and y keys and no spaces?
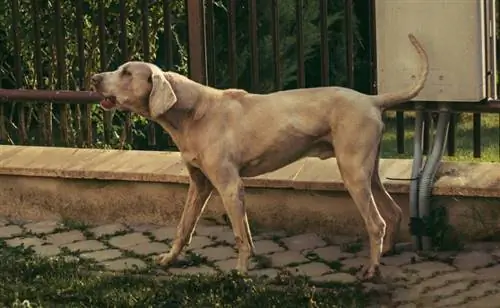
{"x":431,"y":166}
{"x":415,"y":224}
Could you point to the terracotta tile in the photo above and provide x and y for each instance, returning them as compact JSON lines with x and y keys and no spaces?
{"x":278,"y":178}
{"x":82,"y":158}
{"x":396,"y":169}
{"x":178,"y":169}
{"x":319,"y":174}
{"x":102,"y":161}
{"x":23,"y":157}
{"x":8,"y":151}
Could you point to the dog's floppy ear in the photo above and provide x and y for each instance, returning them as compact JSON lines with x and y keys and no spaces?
{"x":162,"y":96}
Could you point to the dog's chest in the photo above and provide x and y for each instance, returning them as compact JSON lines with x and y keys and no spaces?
{"x":191,"y":158}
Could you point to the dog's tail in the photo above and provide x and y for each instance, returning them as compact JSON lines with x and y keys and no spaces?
{"x":388,"y":100}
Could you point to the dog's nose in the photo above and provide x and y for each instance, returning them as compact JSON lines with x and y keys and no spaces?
{"x":96,"y":79}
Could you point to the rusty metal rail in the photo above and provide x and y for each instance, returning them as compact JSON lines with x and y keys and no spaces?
{"x":88,"y":97}
{"x":66,"y":97}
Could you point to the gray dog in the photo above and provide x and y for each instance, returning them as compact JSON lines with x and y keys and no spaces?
{"x":226,"y":134}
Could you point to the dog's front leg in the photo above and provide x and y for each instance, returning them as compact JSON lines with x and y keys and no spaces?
{"x":228,"y":183}
{"x":233,"y":198}
{"x":199,"y":192}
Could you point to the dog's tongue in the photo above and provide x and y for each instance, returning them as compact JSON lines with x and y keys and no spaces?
{"x":107,"y":103}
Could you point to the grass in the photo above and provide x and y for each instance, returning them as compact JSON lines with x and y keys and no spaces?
{"x":490,"y":138}
{"x":42,"y":282}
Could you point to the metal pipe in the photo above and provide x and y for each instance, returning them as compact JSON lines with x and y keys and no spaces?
{"x":72,"y":97}
{"x":349,"y":38}
{"x":323,"y":49}
{"x":431,"y":166}
{"x":415,"y":173}
{"x":299,"y":19}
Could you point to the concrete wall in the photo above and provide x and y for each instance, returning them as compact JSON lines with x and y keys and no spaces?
{"x":98,"y":186}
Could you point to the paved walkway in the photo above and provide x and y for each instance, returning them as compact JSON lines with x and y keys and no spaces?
{"x":470,"y":278}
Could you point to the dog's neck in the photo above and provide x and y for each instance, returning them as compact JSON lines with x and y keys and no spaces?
{"x":189,"y":108}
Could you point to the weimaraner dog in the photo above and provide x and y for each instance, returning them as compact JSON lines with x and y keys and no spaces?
{"x":221,"y":139}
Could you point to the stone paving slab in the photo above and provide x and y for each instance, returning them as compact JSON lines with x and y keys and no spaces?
{"x":25,"y":241}
{"x":124,"y":264}
{"x":68,"y":237}
{"x":468,"y":278}
{"x":148,"y":248}
{"x":42,"y":227}
{"x":106,"y":230}
{"x":102,"y":255}
{"x":86,"y":245}
{"x":164,"y":233}
{"x":128,"y":240}
{"x":303,"y":241}
{"x":10,"y":231}
{"x":47,"y":250}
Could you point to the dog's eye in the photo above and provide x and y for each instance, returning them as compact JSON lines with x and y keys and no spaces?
{"x":150,"y":79}
{"x":126,"y":73}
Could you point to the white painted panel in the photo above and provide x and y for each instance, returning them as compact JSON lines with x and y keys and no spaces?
{"x":453,"y":34}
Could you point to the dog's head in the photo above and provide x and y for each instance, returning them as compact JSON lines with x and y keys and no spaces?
{"x":135,"y":86}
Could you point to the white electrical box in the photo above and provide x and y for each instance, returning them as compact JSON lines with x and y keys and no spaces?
{"x":455,"y":34}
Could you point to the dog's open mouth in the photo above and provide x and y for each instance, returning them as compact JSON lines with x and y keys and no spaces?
{"x":108,"y":103}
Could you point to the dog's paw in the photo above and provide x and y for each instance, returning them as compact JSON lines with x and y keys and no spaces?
{"x":242,"y":266}
{"x":370,"y":273}
{"x":164,"y":259}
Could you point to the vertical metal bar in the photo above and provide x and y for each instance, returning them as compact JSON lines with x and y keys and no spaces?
{"x":349,"y":38}
{"x":299,"y":18}
{"x":400,"y":132}
{"x":196,"y":38}
{"x":209,"y":7}
{"x":61,"y":71}
{"x":254,"y":54}
{"x":452,"y":134}
{"x":126,"y":135}
{"x":123,"y":42}
{"x":276,"y":44}
{"x":232,"y":43}
{"x":496,"y":55}
{"x":167,"y":38}
{"x":86,"y":132}
{"x":147,"y":58}
{"x":490,"y":30}
{"x":108,"y":125}
{"x":167,"y":33}
{"x":82,"y":132}
{"x":39,"y":70}
{"x":23,"y":136}
{"x":476,"y":132}
{"x":3,"y":129}
{"x":372,"y":43}
{"x":490,"y":33}
{"x":325,"y":64}
{"x":51,"y":85}
{"x":427,"y":132}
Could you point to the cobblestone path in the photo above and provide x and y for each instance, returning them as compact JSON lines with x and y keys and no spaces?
{"x":469,"y":278}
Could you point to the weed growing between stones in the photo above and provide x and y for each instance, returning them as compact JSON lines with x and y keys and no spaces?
{"x":352,"y":247}
{"x":443,"y":234}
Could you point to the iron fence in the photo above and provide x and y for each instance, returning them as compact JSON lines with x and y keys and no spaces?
{"x":259,"y":45}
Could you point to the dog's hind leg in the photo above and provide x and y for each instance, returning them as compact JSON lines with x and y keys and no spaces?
{"x":199,"y":192}
{"x":390,"y":210}
{"x":356,"y":161}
